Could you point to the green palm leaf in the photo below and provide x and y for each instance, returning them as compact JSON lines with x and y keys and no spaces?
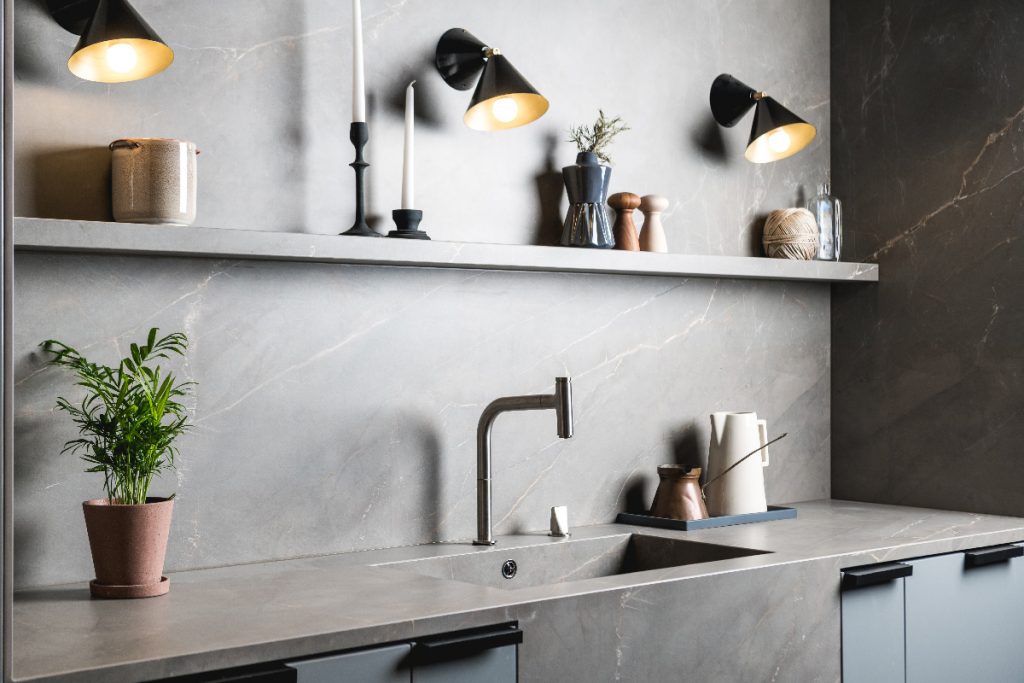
{"x":129,"y":418}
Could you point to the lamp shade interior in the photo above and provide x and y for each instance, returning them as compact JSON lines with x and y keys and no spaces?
{"x":506,"y":111}
{"x":117,"y":45}
{"x":503,"y":98}
{"x":777,"y":133}
{"x":782,"y":142}
{"x":120,"y":60}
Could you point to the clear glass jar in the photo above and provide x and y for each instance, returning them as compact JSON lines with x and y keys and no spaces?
{"x":828,"y":212}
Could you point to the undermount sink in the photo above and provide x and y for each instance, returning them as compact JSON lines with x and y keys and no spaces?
{"x":559,"y":561}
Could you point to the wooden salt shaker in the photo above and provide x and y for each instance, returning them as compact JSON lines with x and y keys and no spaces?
{"x":652,"y":237}
{"x":625,"y":203}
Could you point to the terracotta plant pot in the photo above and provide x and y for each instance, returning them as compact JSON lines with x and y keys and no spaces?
{"x":128,"y":544}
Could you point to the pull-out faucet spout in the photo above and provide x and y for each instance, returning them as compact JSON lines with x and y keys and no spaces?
{"x":560,"y":402}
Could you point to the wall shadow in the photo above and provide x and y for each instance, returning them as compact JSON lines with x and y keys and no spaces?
{"x":428,"y":449}
{"x":707,"y":139}
{"x":548,"y":183}
{"x":689,"y":447}
{"x":377,"y":221}
{"x":29,"y":529}
{"x":28,"y":364}
{"x":51,"y":595}
{"x":72,"y":183}
{"x":755,"y":232}
{"x":30,"y":56}
{"x":427,"y":111}
{"x":637,"y":498}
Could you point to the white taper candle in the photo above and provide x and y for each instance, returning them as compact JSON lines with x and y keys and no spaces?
{"x":358,"y":76}
{"x":408,"y":175}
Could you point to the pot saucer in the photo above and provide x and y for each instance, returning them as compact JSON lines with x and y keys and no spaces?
{"x":102,"y":590}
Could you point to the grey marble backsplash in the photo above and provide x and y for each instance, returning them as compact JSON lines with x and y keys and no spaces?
{"x":928,"y":114}
{"x":337,"y":405}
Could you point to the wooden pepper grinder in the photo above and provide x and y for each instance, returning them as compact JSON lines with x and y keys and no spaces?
{"x":652,"y":237}
{"x":625,"y":203}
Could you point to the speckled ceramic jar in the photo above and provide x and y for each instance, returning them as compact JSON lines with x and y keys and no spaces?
{"x":153,"y":180}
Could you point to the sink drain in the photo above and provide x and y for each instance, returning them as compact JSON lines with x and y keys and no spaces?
{"x":509,"y":569}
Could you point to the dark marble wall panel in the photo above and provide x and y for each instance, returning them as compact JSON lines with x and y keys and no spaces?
{"x":928,"y":154}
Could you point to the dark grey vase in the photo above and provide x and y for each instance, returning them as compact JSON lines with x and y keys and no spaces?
{"x":586,"y":224}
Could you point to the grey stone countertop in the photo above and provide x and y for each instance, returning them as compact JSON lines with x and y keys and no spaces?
{"x":231,"y":616}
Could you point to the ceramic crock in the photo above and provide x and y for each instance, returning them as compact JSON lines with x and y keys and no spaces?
{"x":153,"y":180}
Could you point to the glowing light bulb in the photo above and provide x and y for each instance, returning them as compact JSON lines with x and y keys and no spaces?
{"x":505,"y":109}
{"x":779,"y":141}
{"x":121,"y":58}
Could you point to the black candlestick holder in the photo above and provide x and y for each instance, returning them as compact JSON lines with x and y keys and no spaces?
{"x":408,"y":223}
{"x":359,"y":134}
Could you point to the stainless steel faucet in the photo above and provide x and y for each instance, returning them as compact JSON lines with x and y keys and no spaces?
{"x":560,"y":402}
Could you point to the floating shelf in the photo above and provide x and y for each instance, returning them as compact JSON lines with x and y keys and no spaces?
{"x":89,"y":237}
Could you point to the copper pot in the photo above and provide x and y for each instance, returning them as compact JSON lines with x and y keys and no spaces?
{"x":679,"y":495}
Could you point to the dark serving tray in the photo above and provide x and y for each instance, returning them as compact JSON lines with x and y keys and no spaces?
{"x":774,"y":512}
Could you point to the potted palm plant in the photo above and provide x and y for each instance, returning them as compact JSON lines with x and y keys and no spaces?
{"x":127,"y":423}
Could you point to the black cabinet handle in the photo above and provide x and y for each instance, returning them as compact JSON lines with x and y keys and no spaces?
{"x":997,"y":553}
{"x":874,"y":574}
{"x":466,"y":643}
{"x":260,"y":673}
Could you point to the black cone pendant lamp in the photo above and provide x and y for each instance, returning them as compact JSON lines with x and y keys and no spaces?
{"x":503,"y":98}
{"x":116,"y":45}
{"x":777,"y":132}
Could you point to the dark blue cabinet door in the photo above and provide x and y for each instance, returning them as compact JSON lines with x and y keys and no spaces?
{"x":482,"y":655}
{"x":379,"y":665}
{"x":965,"y":623}
{"x":496,"y":665}
{"x":872,"y":633}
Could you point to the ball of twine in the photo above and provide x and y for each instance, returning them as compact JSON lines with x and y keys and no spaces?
{"x":791,"y":233}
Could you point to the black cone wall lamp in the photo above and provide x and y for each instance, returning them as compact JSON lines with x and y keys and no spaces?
{"x":116,"y":44}
{"x":503,"y":99}
{"x":777,"y":132}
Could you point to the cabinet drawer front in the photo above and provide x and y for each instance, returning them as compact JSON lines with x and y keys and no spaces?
{"x":379,"y":665}
{"x":965,"y":621}
{"x":495,"y":665}
{"x":872,"y":633}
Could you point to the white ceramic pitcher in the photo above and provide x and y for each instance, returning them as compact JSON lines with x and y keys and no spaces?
{"x":741,"y":490}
